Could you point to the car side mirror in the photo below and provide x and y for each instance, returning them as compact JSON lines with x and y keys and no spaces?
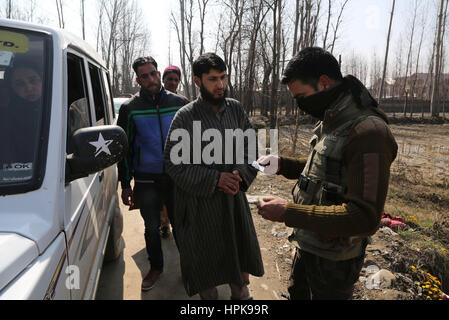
{"x":94,"y":149}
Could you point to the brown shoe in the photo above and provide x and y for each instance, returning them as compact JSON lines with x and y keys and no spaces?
{"x":149,"y":281}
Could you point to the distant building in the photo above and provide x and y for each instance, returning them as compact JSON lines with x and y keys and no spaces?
{"x":417,"y":85}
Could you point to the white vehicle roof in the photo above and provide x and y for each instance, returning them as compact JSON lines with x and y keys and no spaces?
{"x":66,"y":39}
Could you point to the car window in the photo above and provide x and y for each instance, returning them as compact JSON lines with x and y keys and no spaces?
{"x":99,"y":98}
{"x":24,"y":99}
{"x":78,"y":104}
{"x":107,"y":90}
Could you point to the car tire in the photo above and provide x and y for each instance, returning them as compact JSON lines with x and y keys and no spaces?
{"x":115,"y":243}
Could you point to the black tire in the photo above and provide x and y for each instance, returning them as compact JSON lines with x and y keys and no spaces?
{"x":115,"y":243}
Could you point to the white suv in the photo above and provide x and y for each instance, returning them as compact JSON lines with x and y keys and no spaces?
{"x":59,"y":211}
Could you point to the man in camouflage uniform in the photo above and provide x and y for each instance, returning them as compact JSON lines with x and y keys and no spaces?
{"x":340,"y":195}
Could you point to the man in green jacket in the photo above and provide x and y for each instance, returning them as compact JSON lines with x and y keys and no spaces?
{"x":340,"y":195}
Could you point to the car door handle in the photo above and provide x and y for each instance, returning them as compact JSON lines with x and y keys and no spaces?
{"x":101,"y":176}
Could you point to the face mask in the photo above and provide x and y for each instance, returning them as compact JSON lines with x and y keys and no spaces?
{"x":312,"y":107}
{"x":317,"y":103}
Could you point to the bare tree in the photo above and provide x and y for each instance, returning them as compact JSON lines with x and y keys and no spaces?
{"x":442,"y":55}
{"x":184,"y":31}
{"x":258,"y":12}
{"x":191,"y":46}
{"x":264,"y":44}
{"x":413,"y":87}
{"x":434,"y":102}
{"x":83,"y":26}
{"x":382,"y":83}
{"x":329,"y":16}
{"x":337,"y":25}
{"x":180,"y":31}
{"x":100,"y":5}
{"x":398,"y":68}
{"x":202,"y":5}
{"x":444,"y":58}
{"x":276,"y":7}
{"x":409,"y":57}
{"x":356,"y":66}
{"x":296,"y":27}
{"x":110,"y":41}
{"x":135,"y":37}
{"x":9,"y":9}
{"x":308,"y":23}
{"x":375,"y":72}
{"x":60,"y":9}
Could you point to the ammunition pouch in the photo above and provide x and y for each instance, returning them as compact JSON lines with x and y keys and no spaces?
{"x":331,"y":194}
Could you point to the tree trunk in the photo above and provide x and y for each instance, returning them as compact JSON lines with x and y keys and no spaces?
{"x":382,"y":83}
{"x":407,"y":66}
{"x":9,"y":13}
{"x":329,"y":16}
{"x":417,"y":68}
{"x":434,"y":102}
{"x":83,"y":26}
{"x":277,"y":25}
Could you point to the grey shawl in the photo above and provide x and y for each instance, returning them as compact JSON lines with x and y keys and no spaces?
{"x":215,"y":232}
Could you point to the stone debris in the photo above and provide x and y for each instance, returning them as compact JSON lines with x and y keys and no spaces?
{"x":372,"y":269}
{"x":383,"y":279}
{"x":388,"y":231}
{"x":277,"y":234}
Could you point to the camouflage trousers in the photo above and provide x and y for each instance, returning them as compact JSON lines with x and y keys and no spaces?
{"x":316,"y":278}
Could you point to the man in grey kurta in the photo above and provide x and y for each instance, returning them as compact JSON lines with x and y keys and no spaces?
{"x":217,"y":240}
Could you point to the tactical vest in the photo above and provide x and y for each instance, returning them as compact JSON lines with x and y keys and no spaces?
{"x":323,"y":181}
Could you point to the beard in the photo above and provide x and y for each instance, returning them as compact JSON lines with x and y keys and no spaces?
{"x":154,"y":89}
{"x":209,"y":97}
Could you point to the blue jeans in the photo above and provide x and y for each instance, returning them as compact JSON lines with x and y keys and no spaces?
{"x":151,"y":196}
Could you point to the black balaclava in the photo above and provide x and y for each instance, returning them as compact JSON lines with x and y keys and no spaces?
{"x":317,"y":104}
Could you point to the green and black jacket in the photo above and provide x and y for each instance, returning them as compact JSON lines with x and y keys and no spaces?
{"x":146,"y":120}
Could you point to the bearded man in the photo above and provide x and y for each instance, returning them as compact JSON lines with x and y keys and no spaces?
{"x":217,"y":240}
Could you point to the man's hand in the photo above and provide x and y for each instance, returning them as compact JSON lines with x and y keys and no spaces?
{"x":273,"y":209}
{"x":128,"y":197}
{"x":271,"y":163}
{"x":229,"y":182}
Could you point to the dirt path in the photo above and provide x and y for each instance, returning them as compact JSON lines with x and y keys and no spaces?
{"x":121,"y":279}
{"x":423,"y":158}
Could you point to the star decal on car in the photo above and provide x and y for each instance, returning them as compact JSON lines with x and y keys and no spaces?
{"x":101,"y":145}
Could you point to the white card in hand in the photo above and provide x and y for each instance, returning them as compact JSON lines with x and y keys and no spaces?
{"x":256,"y":165}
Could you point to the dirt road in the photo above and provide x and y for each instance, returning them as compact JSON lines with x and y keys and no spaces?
{"x":121,"y":279}
{"x":422,"y":159}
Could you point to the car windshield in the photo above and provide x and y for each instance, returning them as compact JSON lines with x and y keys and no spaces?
{"x":23,"y":97}
{"x":118,"y":103}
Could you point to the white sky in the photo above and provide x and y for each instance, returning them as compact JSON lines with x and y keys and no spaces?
{"x":364,"y":28}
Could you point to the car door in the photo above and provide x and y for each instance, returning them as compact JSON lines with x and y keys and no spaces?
{"x":82,"y":196}
{"x":107,"y":177}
